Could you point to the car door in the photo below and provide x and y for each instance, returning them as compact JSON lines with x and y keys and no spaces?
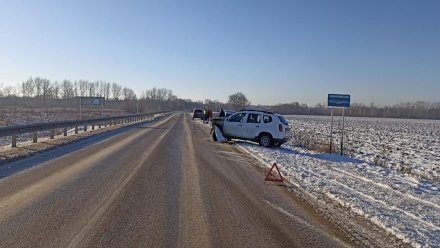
{"x":267,"y":124}
{"x":233,"y":125}
{"x":252,"y":127}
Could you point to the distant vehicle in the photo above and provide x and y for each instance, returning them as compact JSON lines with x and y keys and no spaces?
{"x":266,"y":128}
{"x":197,"y":113}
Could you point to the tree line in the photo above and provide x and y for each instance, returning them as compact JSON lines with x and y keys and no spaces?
{"x":41,"y":92}
{"x":409,"y":110}
{"x":43,"y":88}
{"x":161,"y":99}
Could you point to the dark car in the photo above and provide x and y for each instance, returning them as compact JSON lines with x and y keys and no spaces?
{"x":197,"y":113}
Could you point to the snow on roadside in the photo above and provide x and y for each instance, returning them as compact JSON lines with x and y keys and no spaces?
{"x":403,"y":205}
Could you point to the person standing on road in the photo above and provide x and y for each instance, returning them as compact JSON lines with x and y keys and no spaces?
{"x":222,"y":113}
{"x":209,"y":114}
{"x":205,"y":116}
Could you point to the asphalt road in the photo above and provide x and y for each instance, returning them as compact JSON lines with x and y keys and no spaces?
{"x":165,"y":184}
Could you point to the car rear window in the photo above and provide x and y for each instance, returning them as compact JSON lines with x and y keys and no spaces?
{"x":198,"y":111}
{"x":283,"y":120}
{"x":267,"y":119}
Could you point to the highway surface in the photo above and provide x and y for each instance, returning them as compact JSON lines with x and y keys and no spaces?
{"x":163,"y":184}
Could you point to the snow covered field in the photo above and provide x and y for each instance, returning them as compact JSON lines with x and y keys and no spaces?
{"x":410,"y":146}
{"x":392,"y":195}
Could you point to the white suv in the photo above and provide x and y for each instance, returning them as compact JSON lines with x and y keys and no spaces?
{"x":264,"y":127}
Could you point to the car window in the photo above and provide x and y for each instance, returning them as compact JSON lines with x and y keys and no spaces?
{"x":283,"y":120}
{"x":237,"y":117}
{"x":267,"y":119}
{"x":254,"y":118}
{"x":229,"y":113}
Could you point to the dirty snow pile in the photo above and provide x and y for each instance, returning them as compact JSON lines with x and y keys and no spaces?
{"x":410,"y":146}
{"x":401,"y":204}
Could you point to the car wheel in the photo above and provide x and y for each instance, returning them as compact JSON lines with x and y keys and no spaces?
{"x":265,"y":140}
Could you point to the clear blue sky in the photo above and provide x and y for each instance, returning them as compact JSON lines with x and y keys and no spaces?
{"x":274,"y":51}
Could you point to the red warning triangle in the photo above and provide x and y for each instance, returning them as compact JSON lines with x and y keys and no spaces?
{"x":271,"y":178}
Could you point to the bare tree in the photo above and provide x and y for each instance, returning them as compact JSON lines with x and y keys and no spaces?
{"x":55,"y":90}
{"x":83,"y":87}
{"x":38,"y":86}
{"x":96,"y":86}
{"x":128,"y":94}
{"x":67,"y":90}
{"x":238,"y":101}
{"x":161,"y":94}
{"x":45,"y":88}
{"x":76,"y":90}
{"x":116,"y":90}
{"x":107,"y":86}
{"x":91,"y":89}
{"x":170,"y":96}
{"x":28,"y":88}
{"x":214,"y":104}
{"x":150,"y":94}
{"x":101,"y":89}
{"x":8,"y":91}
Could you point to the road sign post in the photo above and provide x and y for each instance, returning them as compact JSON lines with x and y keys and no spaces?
{"x":338,"y":101}
{"x":331,"y":132}
{"x":342,"y":133}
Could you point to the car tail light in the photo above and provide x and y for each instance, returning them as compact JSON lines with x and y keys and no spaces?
{"x":280,"y":127}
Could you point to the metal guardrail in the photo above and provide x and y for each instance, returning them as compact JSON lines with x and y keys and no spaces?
{"x":13,"y":131}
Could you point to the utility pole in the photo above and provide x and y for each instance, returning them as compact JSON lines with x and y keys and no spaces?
{"x":80,"y":110}
{"x":331,"y":132}
{"x":342,"y":133}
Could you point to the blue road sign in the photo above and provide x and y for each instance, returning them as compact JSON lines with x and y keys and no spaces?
{"x":338,"y":100}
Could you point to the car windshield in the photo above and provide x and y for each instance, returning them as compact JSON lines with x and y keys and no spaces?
{"x":283,"y":120}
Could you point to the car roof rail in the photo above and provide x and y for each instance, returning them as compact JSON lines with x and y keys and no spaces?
{"x":258,"y":110}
